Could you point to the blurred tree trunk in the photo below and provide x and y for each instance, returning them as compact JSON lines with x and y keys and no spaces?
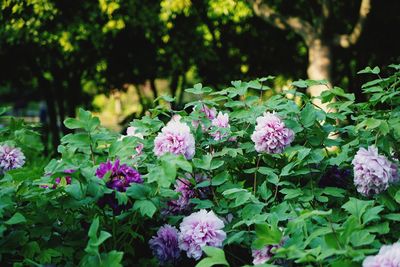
{"x":153,"y":87}
{"x":60,"y":96}
{"x":316,"y":37}
{"x":47,"y":92}
{"x":319,"y":66}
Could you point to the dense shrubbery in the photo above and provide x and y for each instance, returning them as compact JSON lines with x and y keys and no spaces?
{"x":277,"y":182}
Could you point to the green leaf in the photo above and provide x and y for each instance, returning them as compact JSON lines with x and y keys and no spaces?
{"x":16,"y":219}
{"x":357,"y":207}
{"x":215,"y":256}
{"x":202,"y":203}
{"x":308,"y":115}
{"x":93,"y":228}
{"x":203,"y":163}
{"x":145,"y":207}
{"x":220,"y":178}
{"x":291,"y":193}
{"x":112,"y":259}
{"x":368,"y":70}
{"x":138,"y":191}
{"x":361,"y":238}
{"x":198,"y":89}
{"x":267,"y":235}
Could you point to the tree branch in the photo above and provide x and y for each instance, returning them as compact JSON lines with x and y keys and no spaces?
{"x":299,"y":26}
{"x":347,"y":40}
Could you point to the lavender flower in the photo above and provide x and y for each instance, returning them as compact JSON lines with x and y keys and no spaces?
{"x":181,"y":204}
{"x":200,"y":229}
{"x":373,"y":172}
{"x":121,"y":176}
{"x":388,"y":256}
{"x":221,"y":121}
{"x":261,"y":256}
{"x":186,"y":192}
{"x":175,"y":138}
{"x":165,"y":245}
{"x":209,"y":112}
{"x":271,"y":134}
{"x":10,"y":158}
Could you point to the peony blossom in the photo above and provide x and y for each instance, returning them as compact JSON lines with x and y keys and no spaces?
{"x":221,"y":121}
{"x":373,"y":173}
{"x":165,"y":245}
{"x":388,"y":256}
{"x":209,"y":112}
{"x":261,"y":256}
{"x":271,"y":135}
{"x":10,"y":158}
{"x":175,"y":138}
{"x":184,"y":188}
{"x":200,"y":229}
{"x":121,"y":176}
{"x":186,"y":192}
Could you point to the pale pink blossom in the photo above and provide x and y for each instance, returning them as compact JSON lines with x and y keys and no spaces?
{"x":373,"y":173}
{"x":221,"y":121}
{"x":388,"y":256}
{"x":200,"y":229}
{"x":175,"y":138}
{"x":271,"y":135}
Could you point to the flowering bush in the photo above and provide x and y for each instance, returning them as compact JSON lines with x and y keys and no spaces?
{"x":241,"y":176}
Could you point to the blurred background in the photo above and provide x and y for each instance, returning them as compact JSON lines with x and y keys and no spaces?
{"x":114,"y":57}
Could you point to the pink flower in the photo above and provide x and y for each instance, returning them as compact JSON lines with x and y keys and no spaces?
{"x":209,"y":112}
{"x":10,"y":158}
{"x":131,"y":131}
{"x":373,"y":173}
{"x":271,"y":135}
{"x":261,"y":256}
{"x":388,"y":256}
{"x":200,"y":229}
{"x":221,"y":121}
{"x":175,"y":138}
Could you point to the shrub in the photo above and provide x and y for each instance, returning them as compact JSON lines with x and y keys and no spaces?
{"x":235,"y":175}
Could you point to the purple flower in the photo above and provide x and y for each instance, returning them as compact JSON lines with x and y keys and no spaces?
{"x":373,"y":172}
{"x":271,"y":134}
{"x":388,"y":256}
{"x":121,"y":176}
{"x":221,"y":121}
{"x":175,"y":138}
{"x":200,"y":229}
{"x":165,"y":245}
{"x":10,"y":158}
